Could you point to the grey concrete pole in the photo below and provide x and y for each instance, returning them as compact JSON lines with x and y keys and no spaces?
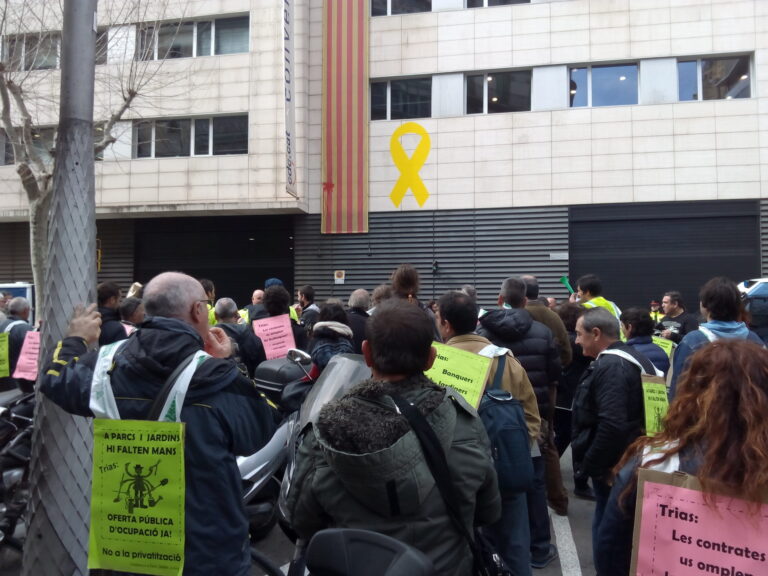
{"x":57,"y":540}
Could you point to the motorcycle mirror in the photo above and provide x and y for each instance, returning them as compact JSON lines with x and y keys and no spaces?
{"x":299,"y":356}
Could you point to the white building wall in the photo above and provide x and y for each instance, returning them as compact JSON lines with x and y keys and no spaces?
{"x":251,"y":83}
{"x":646,"y":152}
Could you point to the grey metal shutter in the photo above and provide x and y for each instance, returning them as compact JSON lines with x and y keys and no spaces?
{"x":764,"y":237}
{"x":116,"y":241}
{"x":15,"y":265}
{"x":478,"y":247}
{"x":641,"y":251}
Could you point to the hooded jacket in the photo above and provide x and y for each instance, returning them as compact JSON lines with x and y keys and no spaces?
{"x":224,"y":416}
{"x":330,"y":338}
{"x":697,"y":339}
{"x":654,"y":353}
{"x":532,"y":344}
{"x":361,"y":466}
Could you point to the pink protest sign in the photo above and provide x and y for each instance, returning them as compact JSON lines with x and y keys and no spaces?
{"x":682,"y":535}
{"x":26,"y":366}
{"x":276,"y":335}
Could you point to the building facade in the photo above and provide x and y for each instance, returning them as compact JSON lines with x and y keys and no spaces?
{"x":628,"y":138}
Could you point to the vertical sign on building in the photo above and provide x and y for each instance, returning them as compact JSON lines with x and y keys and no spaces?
{"x":290,"y":99}
{"x":345,"y":117}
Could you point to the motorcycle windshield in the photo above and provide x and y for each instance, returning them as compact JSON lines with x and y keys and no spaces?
{"x":342,"y":373}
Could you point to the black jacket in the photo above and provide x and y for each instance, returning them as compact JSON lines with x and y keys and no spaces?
{"x":531,"y":343}
{"x":112,"y":330}
{"x":224,"y":415}
{"x":250,"y":347}
{"x":607,"y":411}
{"x":358,"y":318}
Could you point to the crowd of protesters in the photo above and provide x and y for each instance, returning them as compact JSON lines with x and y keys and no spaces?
{"x":576,"y":366}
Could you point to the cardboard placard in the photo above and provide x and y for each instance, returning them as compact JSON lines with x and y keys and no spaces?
{"x":26,"y":365}
{"x":465,"y":372}
{"x":656,"y":404}
{"x":667,"y":345}
{"x":5,"y":363}
{"x":276,"y":335}
{"x":678,"y":532}
{"x":138,"y":497}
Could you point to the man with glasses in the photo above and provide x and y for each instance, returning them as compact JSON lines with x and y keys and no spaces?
{"x":224,"y":415}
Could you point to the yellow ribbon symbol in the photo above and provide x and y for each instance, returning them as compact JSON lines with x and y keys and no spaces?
{"x":409,"y":167}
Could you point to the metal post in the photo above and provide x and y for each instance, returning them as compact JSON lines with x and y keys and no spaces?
{"x":57,"y":540}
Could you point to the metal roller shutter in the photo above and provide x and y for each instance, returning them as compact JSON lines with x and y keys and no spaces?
{"x":478,"y":247}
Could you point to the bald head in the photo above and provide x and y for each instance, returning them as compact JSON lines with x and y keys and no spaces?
{"x":258,"y":296}
{"x":19,"y":307}
{"x":172,"y":295}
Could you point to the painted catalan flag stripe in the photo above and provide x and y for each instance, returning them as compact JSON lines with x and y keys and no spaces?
{"x":345,"y":117}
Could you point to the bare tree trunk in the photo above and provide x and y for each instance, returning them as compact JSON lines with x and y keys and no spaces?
{"x":39,"y":210}
{"x":61,"y":456}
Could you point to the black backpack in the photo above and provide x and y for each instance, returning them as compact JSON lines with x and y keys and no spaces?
{"x":504,"y":420}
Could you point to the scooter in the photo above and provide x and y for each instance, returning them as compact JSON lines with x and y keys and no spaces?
{"x":262,"y":471}
{"x":16,"y":419}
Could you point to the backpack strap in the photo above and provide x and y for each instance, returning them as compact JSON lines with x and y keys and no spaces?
{"x":102,"y":402}
{"x":629,"y":358}
{"x":711,"y":336}
{"x":493,"y":351}
{"x":12,"y":325}
{"x":168,"y":403}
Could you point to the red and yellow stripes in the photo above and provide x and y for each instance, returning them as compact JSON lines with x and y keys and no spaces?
{"x":345,"y":117}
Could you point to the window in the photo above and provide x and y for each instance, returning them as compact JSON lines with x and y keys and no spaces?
{"x":603,"y":85}
{"x":407,"y":98}
{"x":189,"y":39}
{"x":32,"y":51}
{"x":179,"y":137}
{"x":484,"y":3}
{"x":387,"y":7}
{"x":714,"y":78}
{"x":499,"y":92}
{"x":102,"y":46}
{"x":6,"y":149}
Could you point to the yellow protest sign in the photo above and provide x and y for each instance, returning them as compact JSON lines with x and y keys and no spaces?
{"x":463,"y":371}
{"x":137,"y":499}
{"x":5,"y":363}
{"x":409,"y":167}
{"x":667,"y":345}
{"x":656,"y":404}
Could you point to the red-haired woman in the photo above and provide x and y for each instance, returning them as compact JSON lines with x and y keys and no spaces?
{"x":716,"y":429}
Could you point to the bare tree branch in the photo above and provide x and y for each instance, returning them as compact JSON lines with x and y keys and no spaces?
{"x":108,"y":138}
{"x":32,"y":152}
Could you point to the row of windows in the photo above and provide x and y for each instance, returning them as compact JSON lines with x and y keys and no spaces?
{"x":193,"y":39}
{"x":392,"y":7}
{"x":190,"y":137}
{"x":171,"y":40}
{"x":614,"y":85}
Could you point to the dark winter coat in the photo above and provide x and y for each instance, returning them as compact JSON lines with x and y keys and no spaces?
{"x":531,"y":343}
{"x":224,"y":416}
{"x":358,"y":318}
{"x":361,"y":466}
{"x":328,"y":340}
{"x":607,"y":411}
{"x":112,"y":330}
{"x":654,"y":352}
{"x":250,"y":347}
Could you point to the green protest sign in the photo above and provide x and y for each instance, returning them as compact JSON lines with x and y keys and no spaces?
{"x":463,"y":371}
{"x":656,"y":404}
{"x":664,"y":344}
{"x":137,"y":499}
{"x":5,"y":364}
